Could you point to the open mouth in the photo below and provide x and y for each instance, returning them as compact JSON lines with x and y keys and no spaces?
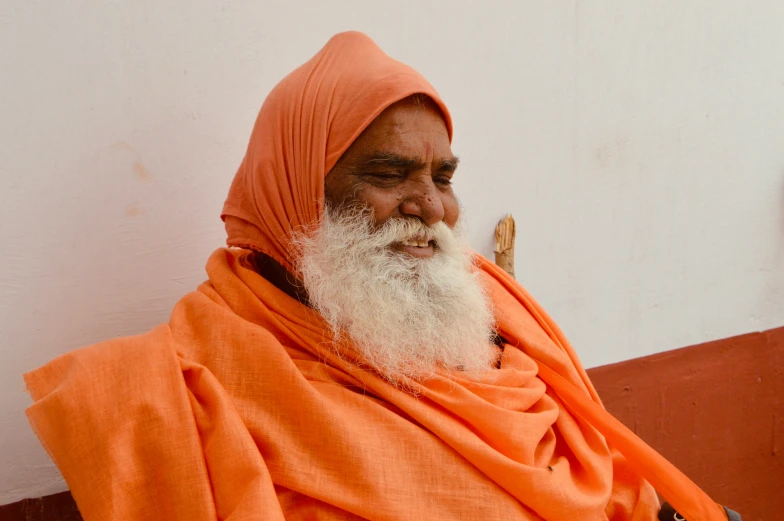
{"x":418,"y":247}
{"x":417,"y":243}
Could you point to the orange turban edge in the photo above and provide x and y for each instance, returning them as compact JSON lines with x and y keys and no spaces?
{"x":306,"y":123}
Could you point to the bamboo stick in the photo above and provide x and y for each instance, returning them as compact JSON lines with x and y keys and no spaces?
{"x":504,"y":244}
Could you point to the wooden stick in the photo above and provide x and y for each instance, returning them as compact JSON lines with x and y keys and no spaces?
{"x":504,"y":244}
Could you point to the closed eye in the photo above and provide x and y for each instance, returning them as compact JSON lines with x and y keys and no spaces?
{"x":383,"y":179}
{"x":442,"y":180}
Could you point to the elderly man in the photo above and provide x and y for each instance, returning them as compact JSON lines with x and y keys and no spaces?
{"x":349,"y":356}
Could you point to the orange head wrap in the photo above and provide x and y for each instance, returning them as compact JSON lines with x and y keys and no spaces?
{"x":306,"y":123}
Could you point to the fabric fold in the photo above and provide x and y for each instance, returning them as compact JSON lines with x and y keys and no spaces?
{"x":239,"y":406}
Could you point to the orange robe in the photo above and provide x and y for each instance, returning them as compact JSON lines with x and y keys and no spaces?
{"x":237,"y":409}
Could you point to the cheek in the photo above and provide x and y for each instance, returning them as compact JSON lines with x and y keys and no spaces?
{"x":337,"y":188}
{"x":384,"y":203}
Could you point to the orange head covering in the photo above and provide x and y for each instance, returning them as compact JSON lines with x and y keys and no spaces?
{"x":306,"y":123}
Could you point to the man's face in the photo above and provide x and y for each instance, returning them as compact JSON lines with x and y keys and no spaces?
{"x":401,"y":166}
{"x":407,"y":315}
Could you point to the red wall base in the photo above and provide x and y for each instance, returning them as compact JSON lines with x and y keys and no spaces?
{"x":716,"y":411}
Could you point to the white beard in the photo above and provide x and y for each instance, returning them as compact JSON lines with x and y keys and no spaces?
{"x":407,"y":317}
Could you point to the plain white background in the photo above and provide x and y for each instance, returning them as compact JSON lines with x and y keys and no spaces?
{"x":640,"y":146}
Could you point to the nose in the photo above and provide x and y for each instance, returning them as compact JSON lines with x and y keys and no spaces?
{"x":424,"y":202}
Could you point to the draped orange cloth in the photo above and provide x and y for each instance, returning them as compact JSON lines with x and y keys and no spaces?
{"x":237,"y":409}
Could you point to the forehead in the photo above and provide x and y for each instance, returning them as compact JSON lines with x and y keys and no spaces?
{"x":409,"y":127}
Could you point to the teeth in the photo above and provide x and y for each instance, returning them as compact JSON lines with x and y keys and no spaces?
{"x":420,"y":244}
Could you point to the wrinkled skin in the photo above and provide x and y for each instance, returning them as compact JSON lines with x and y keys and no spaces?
{"x":401,"y":166}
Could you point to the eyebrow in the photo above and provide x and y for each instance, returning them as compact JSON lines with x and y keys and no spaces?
{"x":407,"y":162}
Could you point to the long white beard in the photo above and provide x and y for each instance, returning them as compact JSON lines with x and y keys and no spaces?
{"x":407,"y":317}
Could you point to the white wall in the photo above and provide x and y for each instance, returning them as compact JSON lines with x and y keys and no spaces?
{"x":640,"y":145}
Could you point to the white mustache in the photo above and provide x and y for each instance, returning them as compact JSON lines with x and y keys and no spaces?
{"x":402,"y":230}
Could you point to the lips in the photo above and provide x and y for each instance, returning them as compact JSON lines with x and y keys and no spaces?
{"x":421,"y":248}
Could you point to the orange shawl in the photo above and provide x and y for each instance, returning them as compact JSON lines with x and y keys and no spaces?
{"x":237,"y":409}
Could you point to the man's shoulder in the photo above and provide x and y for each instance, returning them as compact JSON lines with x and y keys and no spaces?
{"x":131,"y":349}
{"x":111,"y":360}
